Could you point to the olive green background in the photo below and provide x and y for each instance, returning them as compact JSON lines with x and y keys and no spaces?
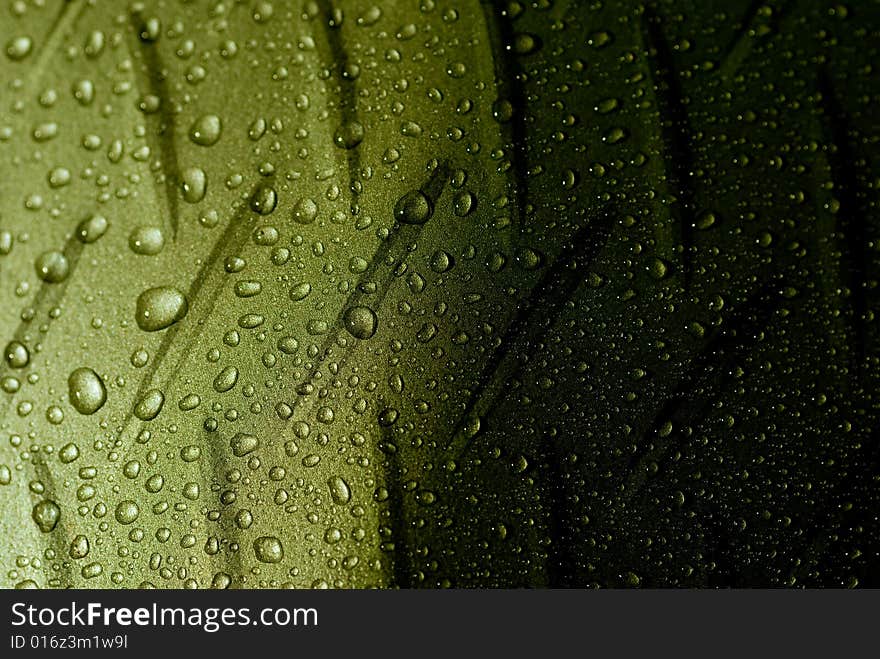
{"x":621,"y":256}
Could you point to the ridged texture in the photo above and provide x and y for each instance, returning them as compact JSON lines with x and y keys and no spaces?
{"x":625,"y":328}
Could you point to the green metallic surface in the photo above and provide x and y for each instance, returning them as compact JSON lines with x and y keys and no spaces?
{"x":429,"y":293}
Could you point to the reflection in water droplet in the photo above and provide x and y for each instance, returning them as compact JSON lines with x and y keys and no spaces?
{"x":52,"y":267}
{"x":160,"y":307}
{"x":86,"y":391}
{"x":206,"y":130}
{"x":146,"y":240}
{"x":413,"y":208}
{"x":46,"y":514}
{"x":361,"y":322}
{"x":268,"y":549}
{"x":150,"y":405}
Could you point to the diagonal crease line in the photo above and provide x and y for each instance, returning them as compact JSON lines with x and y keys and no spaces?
{"x":61,"y":537}
{"x":160,"y":124}
{"x":49,"y":296}
{"x":402,"y":567}
{"x":348,"y":113}
{"x":728,"y":342}
{"x":65,"y":21}
{"x":203,"y":293}
{"x":509,"y":79}
{"x":851,"y":220}
{"x":211,"y":471}
{"x":675,"y":130}
{"x":202,"y":296}
{"x":403,"y":234}
{"x":742,"y":42}
{"x":545,"y":303}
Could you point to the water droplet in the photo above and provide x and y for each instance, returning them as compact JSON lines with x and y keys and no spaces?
{"x":525,"y":43}
{"x":147,"y":241}
{"x":68,"y":453}
{"x":150,"y":405}
{"x":86,"y":391}
{"x":268,"y":549}
{"x":264,"y":200}
{"x":243,"y":443}
{"x":17,"y":355}
{"x":360,"y":322}
{"x":91,"y":229}
{"x":83,"y":91}
{"x":18,"y":48}
{"x":206,"y":130}
{"x":247,"y":288}
{"x":79,"y":547}
{"x":226,"y":379}
{"x":52,"y":267}
{"x":160,"y":307}
{"x":463,"y":203}
{"x":658,"y":268}
{"x":305,"y":211}
{"x":46,"y":514}
{"x":300,"y":291}
{"x":413,"y":208}
{"x":349,"y":135}
{"x":441,"y":261}
{"x":126,"y":511}
{"x":339,"y":490}
{"x":195,"y":184}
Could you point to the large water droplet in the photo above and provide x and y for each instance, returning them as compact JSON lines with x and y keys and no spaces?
{"x":360,"y":322}
{"x":18,"y":48}
{"x":46,"y":514}
{"x":127,"y":512}
{"x":339,"y":490}
{"x":52,"y":267}
{"x":264,"y":199}
{"x":147,"y":241}
{"x":413,"y":208}
{"x":79,"y":547}
{"x":150,"y":405}
{"x":243,"y":443}
{"x":17,"y":355}
{"x":91,"y":228}
{"x":268,"y":549}
{"x":160,"y":307}
{"x":206,"y":130}
{"x":349,"y":135}
{"x":226,"y":379}
{"x":86,"y":391}
{"x":305,"y":211}
{"x":195,"y":184}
